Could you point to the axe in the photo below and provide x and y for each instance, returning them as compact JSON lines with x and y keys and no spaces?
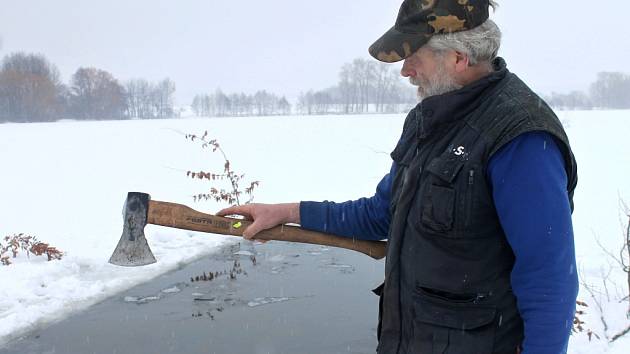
{"x":139,"y":210}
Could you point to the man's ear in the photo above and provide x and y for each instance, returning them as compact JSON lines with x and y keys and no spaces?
{"x":461,"y":62}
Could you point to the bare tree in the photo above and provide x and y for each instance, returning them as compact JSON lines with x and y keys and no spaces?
{"x":611,"y":90}
{"x":163,"y":98}
{"x":347,"y":88}
{"x":222,"y":103}
{"x":138,"y":93}
{"x":30,"y":89}
{"x":151,"y":100}
{"x":284,"y":107}
{"x":201,"y":105}
{"x":622,"y":259}
{"x":624,"y":253}
{"x":96,"y":94}
{"x":305,"y":102}
{"x":571,"y":100}
{"x":383,"y":85}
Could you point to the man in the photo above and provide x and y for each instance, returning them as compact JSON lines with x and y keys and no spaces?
{"x":477,"y":205}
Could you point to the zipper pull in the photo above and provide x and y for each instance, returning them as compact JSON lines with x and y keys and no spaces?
{"x":480,"y":297}
{"x":471,"y":177}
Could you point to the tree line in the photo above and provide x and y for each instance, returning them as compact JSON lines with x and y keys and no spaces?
{"x":364,"y":86}
{"x":31,"y":91}
{"x":219,"y":104}
{"x":611,"y":90}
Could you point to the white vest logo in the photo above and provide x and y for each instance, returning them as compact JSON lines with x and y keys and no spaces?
{"x":459,"y":151}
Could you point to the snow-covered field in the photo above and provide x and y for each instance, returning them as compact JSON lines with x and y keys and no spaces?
{"x":65,"y":183}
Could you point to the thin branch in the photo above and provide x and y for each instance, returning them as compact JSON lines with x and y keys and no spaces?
{"x":620,"y":334}
{"x":605,"y":279}
{"x":591,"y":291}
{"x":610,"y":254}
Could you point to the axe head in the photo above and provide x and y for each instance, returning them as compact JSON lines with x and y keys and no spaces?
{"x":133,"y":249}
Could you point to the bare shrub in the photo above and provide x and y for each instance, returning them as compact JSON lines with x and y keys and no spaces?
{"x":15,"y":244}
{"x":232,"y":194}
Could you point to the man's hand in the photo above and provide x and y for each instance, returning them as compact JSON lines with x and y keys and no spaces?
{"x":264,"y":216}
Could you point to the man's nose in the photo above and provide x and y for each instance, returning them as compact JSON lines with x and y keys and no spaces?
{"x":407,"y":70}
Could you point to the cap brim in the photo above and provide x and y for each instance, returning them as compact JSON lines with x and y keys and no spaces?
{"x":395,"y":46}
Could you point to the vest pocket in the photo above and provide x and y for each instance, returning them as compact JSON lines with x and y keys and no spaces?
{"x":439,"y":197}
{"x":438,"y":208}
{"x":452,"y":327}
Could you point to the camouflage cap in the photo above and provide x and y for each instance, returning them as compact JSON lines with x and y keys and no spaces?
{"x":418,"y":20}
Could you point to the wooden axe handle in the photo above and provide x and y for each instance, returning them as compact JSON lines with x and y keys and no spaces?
{"x":183,"y":217}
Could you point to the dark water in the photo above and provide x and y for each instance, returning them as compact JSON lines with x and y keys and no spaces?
{"x":271,"y":298}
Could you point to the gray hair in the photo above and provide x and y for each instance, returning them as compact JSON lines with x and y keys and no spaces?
{"x":481,"y":44}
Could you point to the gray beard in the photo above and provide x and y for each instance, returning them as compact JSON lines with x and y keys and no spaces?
{"x":437,"y":84}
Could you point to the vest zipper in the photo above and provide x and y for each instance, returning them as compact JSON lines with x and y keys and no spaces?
{"x":481,"y":297}
{"x":469,"y":189}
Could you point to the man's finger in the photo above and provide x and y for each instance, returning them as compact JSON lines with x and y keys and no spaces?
{"x":226,"y":211}
{"x":252,"y":230}
{"x":234,"y":210}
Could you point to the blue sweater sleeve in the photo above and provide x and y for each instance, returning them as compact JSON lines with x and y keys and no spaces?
{"x":529,"y":184}
{"x":365,"y":218}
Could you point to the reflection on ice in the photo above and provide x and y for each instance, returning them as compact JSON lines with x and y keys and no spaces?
{"x":244,"y":253}
{"x":171,"y":290}
{"x":276,"y":258}
{"x":343,"y":268}
{"x":333,"y":265}
{"x":259,"y":301}
{"x":141,"y":300}
{"x":145,"y":299}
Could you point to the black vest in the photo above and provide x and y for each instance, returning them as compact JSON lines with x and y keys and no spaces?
{"x":447,"y":275}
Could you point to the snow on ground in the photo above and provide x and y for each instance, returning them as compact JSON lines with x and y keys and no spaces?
{"x":65,"y":183}
{"x":601,"y":143}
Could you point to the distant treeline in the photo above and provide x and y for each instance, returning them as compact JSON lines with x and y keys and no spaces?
{"x":364,"y":86}
{"x":31,"y":91}
{"x":611,"y":90}
{"x":219,"y":104}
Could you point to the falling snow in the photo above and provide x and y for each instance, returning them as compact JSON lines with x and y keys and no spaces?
{"x":72,"y":178}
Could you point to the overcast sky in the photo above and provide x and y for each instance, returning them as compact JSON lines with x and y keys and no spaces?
{"x":288,"y":46}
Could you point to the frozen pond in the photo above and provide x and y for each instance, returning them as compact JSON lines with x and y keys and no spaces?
{"x":271,"y":298}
